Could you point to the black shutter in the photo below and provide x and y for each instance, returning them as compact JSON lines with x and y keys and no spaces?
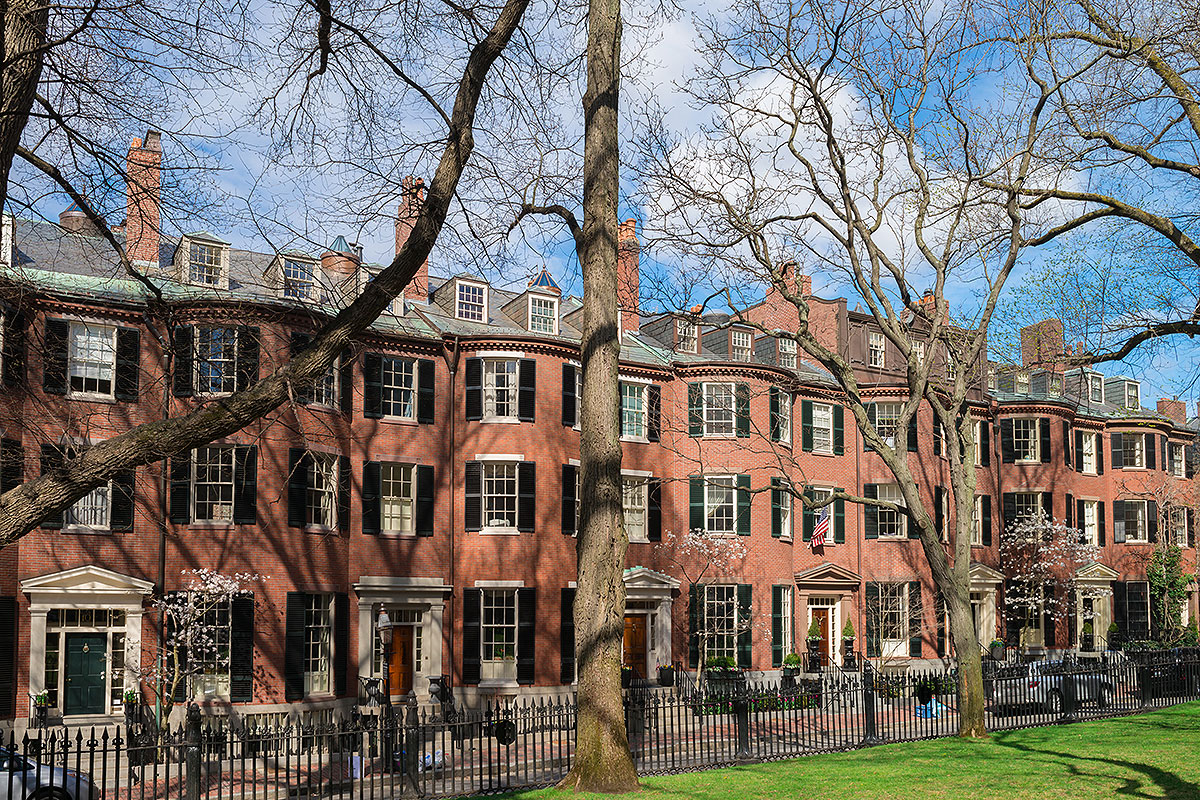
{"x":916,"y":622}
{"x":346,"y":381}
{"x":241,"y":649}
{"x":568,"y":399}
{"x":1100,"y":521}
{"x":425,"y":500}
{"x":1008,"y":453}
{"x":1152,"y":521}
{"x":1066,"y":429}
{"x":839,"y":519}
{"x":985,"y":516}
{"x":870,"y":512}
{"x":776,"y":508}
{"x":183,"y":379}
{"x":474,"y":390}
{"x":1044,"y":430}
{"x":695,"y":620}
{"x":744,"y":498}
{"x":939,"y":518}
{"x":777,"y":623}
{"x":13,"y":354}
{"x":1008,"y":509}
{"x":181,"y":488}
{"x":425,"y":385}
{"x":1079,"y":451}
{"x":472,"y":655}
{"x":1118,"y":521}
{"x":527,"y":390}
{"x":8,"y":663}
{"x":1191,"y":531}
{"x":696,"y":504}
{"x":12,"y":464}
{"x":1048,"y":504}
{"x":806,"y":422}
{"x":245,"y":485}
{"x":569,"y":472}
{"x":122,"y":500}
{"x":341,"y":642}
{"x":1081,"y":520}
{"x":1118,"y":451}
{"x":939,"y":432}
{"x":473,"y":496}
{"x":1151,"y":446}
{"x":1120,"y":607}
{"x":127,"y":379}
{"x":871,"y":620}
{"x":744,"y":637}
{"x":653,"y":413}
{"x":372,"y":484}
{"x":1099,"y":453}
{"x":54,"y":356}
{"x":298,"y":466}
{"x":247,"y":357}
{"x":526,"y":496}
{"x":808,"y":523}
{"x":52,"y":459}
{"x":566,"y":637}
{"x":742,"y":405}
{"x":839,"y":432}
{"x":985,"y":443}
{"x":302,"y":391}
{"x":912,"y":433}
{"x":654,"y":510}
{"x":1070,"y":515}
{"x":372,"y":385}
{"x":343,"y":493}
{"x":871,"y":415}
{"x":293,"y":646}
{"x":526,"y":636}
{"x":695,"y":409}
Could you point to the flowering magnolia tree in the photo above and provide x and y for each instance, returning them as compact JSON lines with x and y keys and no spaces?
{"x":194,"y":650}
{"x":1041,"y":558}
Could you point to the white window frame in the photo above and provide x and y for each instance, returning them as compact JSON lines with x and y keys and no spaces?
{"x":1095,"y":387}
{"x":741,"y":351}
{"x":392,"y":505}
{"x":720,"y":484}
{"x":893,"y":602}
{"x":492,"y":400}
{"x":892,"y":415}
{"x":1177,"y":518}
{"x":977,"y":432}
{"x":200,"y":271}
{"x":228,"y":378}
{"x":98,"y":501}
{"x":714,"y":422}
{"x":639,"y":418}
{"x":1021,"y":382}
{"x":722,"y":621}
{"x":686,"y":336}
{"x":496,"y":474}
{"x":1090,"y":523}
{"x":321,"y":494}
{"x":499,"y":616}
{"x":821,"y":494}
{"x":1056,"y":384}
{"x":824,"y":426}
{"x":786,"y":517}
{"x":977,"y":522}
{"x":213,"y":660}
{"x":1138,"y":448}
{"x":876,"y":349}
{"x":785,"y":418}
{"x":1032,"y":453}
{"x":223,"y":488}
{"x":302,"y":286}
{"x":896,"y":521}
{"x":535,"y":322}
{"x":786,"y":645}
{"x":1178,"y":455}
{"x":468,"y":308}
{"x":1133,"y":395}
{"x":635,"y":503}
{"x":991,"y":378}
{"x":1026,"y":507}
{"x":787,"y":353}
{"x":325,"y":391}
{"x":919,"y":352}
{"x":1141,"y":520}
{"x":398,"y":398}
{"x":91,"y":365}
{"x":1090,"y":461}
{"x":318,"y":645}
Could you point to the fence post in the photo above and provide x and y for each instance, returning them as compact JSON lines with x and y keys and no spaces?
{"x":412,"y":741}
{"x":741,"y":722}
{"x":870,"y":734}
{"x":1069,"y":697}
{"x":192,"y":752}
{"x":1143,"y":673}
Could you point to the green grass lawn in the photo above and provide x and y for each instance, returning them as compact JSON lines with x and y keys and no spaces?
{"x":1150,"y":755}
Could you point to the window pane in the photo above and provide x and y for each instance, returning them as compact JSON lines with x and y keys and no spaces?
{"x":633,"y":410}
{"x":542,"y":314}
{"x":470,"y":302}
{"x":633,"y":498}
{"x":317,"y":634}
{"x":787,"y":353}
{"x":91,"y":510}
{"x":500,"y":495}
{"x":500,"y":389}
{"x":891,"y":522}
{"x":719,"y":504}
{"x":398,"y":388}
{"x":718,"y":409}
{"x":322,"y":491}
{"x":396,"y":502}
{"x":204,"y":264}
{"x":92,"y":358}
{"x":216,"y":360}
{"x":213,"y":468}
{"x":720,"y":621}
{"x":823,"y":428}
{"x":499,"y":625}
{"x":1026,"y":439}
{"x":298,"y":280}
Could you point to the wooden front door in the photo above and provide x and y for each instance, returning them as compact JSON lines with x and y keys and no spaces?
{"x":822,"y":617}
{"x":84,"y":685}
{"x":635,"y":644}
{"x":400,"y":675}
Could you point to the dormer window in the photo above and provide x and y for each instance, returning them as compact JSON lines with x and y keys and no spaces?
{"x":1056,"y":384}
{"x":741,"y":344}
{"x":1095,"y":387}
{"x":543,"y":314}
{"x":991,"y":378}
{"x":787,"y":353}
{"x":919,"y":352}
{"x":1022,"y":382}
{"x":1133,"y":398}
{"x":299,"y":279}
{"x":471,"y":302}
{"x":206,"y":264}
{"x":876,"y":354}
{"x":685,"y":336}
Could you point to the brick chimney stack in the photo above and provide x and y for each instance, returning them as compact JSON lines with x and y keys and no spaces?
{"x":1175,"y":410}
{"x":1042,"y":345}
{"x":412,"y":198}
{"x":142,"y":189}
{"x":629,"y":253}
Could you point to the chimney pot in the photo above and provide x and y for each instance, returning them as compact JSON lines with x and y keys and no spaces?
{"x":142,"y":191}
{"x":412,"y":198}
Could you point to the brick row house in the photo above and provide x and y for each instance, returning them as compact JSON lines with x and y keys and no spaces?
{"x":433,"y":472}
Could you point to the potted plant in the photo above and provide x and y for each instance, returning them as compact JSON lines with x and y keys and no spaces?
{"x":626,"y":677}
{"x":996,"y":650}
{"x":1087,"y":639}
{"x":792,"y":664}
{"x":41,"y":707}
{"x":814,"y":644}
{"x":666,"y":675}
{"x":848,"y":637}
{"x":722,"y":674}
{"x":1114,"y":636}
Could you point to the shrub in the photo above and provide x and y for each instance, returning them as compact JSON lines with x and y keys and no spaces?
{"x":814,"y":630}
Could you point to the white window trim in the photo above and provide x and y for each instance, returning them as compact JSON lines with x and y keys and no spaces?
{"x":194,"y":463}
{"x":903,"y":534}
{"x":1091,"y":534}
{"x":479,"y":284}
{"x":1179,"y":452}
{"x":76,"y":527}
{"x":732,"y":434}
{"x":1144,"y":535}
{"x":493,"y":419}
{"x":977,"y":522}
{"x":733,"y":334}
{"x":335,"y":478}
{"x":977,"y":432}
{"x":383,"y":531}
{"x":896,"y":647}
{"x":1125,"y":438}
{"x":694,"y":335}
{"x":185,"y":250}
{"x":874,"y":337}
{"x":1036,"y":458}
{"x":708,"y":481}
{"x":328,"y":649}
{"x":1094,"y":379}
{"x":1178,"y":536}
{"x":196,"y":378}
{"x":1137,"y":390}
{"x":822,"y":450}
{"x":383,"y":387}
{"x":628,"y":476}
{"x":554,"y":314}
{"x":110,"y":396}
{"x":501,"y":530}
{"x":786,"y":409}
{"x":645,"y":437}
{"x":1096,"y":445}
{"x":314,"y":290}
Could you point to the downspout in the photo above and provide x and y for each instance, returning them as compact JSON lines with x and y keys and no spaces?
{"x":450,"y":354}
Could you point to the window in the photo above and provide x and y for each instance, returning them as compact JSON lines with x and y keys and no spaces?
{"x":1056,"y":384}
{"x":1095,"y":387}
{"x":93,"y":354}
{"x":875,"y":350}
{"x":1132,"y":395}
{"x":823,"y":428}
{"x":499,"y":496}
{"x":742,"y":345}
{"x":543,"y":314}
{"x":216,"y":360}
{"x":397,"y":397}
{"x":633,"y":499}
{"x":685,"y":336}
{"x":325,"y":390}
{"x":721,"y":620}
{"x":892,"y":523}
{"x":298,"y":280}
{"x":633,"y":410}
{"x":951,"y":367}
{"x":1027,"y":442}
{"x":784,"y":418}
{"x":1134,"y":445}
{"x":720,"y":512}
{"x":212,"y":477}
{"x":893,"y":617}
{"x":887,"y":418}
{"x":471,"y":302}
{"x":93,"y":510}
{"x":977,"y":432}
{"x":1090,"y":524}
{"x":1179,"y":526}
{"x":991,"y":378}
{"x":205,"y":264}
{"x":1028,"y":504}
{"x":785,"y":512}
{"x":322,"y":491}
{"x":500,"y":389}
{"x":1091,"y":444}
{"x":919,"y":352}
{"x":1022,"y":382}
{"x":785,"y":644}
{"x":212,"y":652}
{"x":318,"y":628}
{"x":718,"y":409}
{"x":396,"y":498}
{"x":499,"y":633}
{"x":1136,"y":529}
{"x":977,"y":522}
{"x":787,"y":353}
{"x":1178,"y":460}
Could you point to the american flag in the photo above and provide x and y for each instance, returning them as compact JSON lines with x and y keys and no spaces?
{"x":822,"y":529}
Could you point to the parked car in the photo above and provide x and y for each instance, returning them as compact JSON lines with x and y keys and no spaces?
{"x":1040,"y":684}
{"x":22,"y":778}
{"x":1174,"y":677}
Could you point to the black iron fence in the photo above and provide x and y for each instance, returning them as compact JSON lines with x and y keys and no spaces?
{"x":525,"y":743}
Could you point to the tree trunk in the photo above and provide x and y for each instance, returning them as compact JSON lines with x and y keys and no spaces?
{"x":971,"y":722}
{"x":24,"y":37}
{"x":602,"y":759}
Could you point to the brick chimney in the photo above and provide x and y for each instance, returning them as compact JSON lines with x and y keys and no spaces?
{"x":1042,"y":345}
{"x":1175,"y":410}
{"x":629,"y":252}
{"x":142,"y":187}
{"x":412,"y":191}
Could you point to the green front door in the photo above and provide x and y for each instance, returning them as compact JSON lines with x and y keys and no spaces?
{"x":84,"y":685}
